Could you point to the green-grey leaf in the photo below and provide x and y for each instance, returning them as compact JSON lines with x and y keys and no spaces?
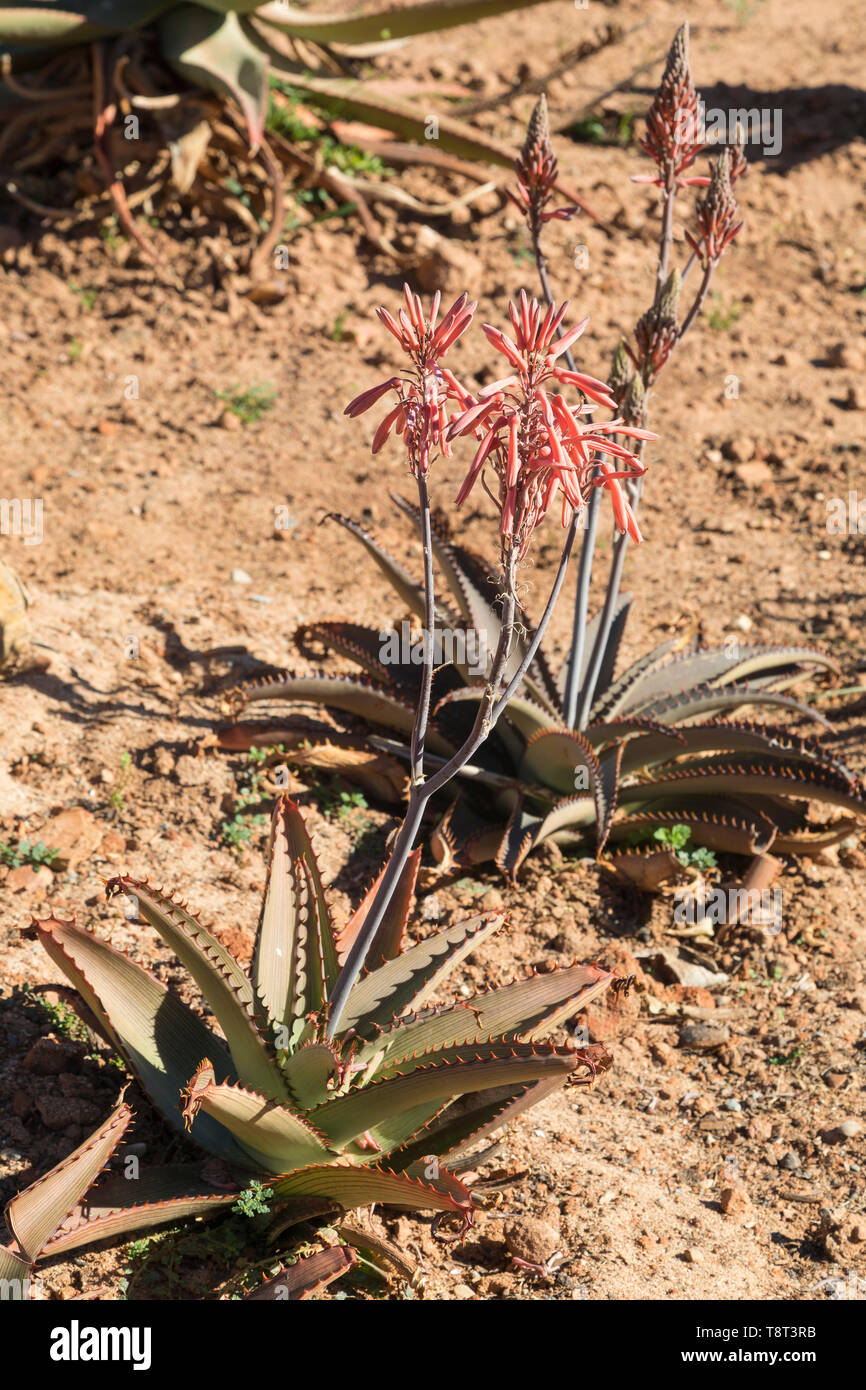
{"x":416,"y":974}
{"x":451,"y":1072}
{"x":35,"y":1214}
{"x":272,"y":1134}
{"x":120,"y":1205}
{"x":15,"y":1274}
{"x":160,"y":1037}
{"x":364,"y":26}
{"x":526,"y":1010}
{"x":295,"y":963}
{"x":355,"y":694}
{"x":215,"y":51}
{"x":352,"y":1186}
{"x":228,"y":990}
{"x":308,"y":1274}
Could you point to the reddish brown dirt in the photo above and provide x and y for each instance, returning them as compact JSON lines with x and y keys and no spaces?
{"x":150,"y":504}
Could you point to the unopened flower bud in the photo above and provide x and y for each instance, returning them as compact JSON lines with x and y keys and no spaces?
{"x":634,"y":406}
{"x":621,"y":371}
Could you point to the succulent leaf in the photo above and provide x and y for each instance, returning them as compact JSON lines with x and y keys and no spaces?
{"x":14,"y":1271}
{"x":309,"y":1070}
{"x":215,"y":51}
{"x":352,"y":1186}
{"x":554,"y":757}
{"x":119,"y":1205}
{"x":229,"y":991}
{"x":729,"y":828}
{"x":307,"y":1276}
{"x":272,"y":1134}
{"x":365,"y":26}
{"x":523,"y":712}
{"x":767,"y":777}
{"x":524,"y":1010}
{"x":448,"y":1072}
{"x":468,"y":1121}
{"x":388,"y":941}
{"x":414,"y":976}
{"x":295,"y":962}
{"x":710,"y":699}
{"x":89,"y":19}
{"x":161,"y":1039}
{"x":354,"y":694}
{"x":400,"y":579}
{"x":35,"y":1214}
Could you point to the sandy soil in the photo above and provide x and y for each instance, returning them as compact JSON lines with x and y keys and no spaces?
{"x":150,"y":504}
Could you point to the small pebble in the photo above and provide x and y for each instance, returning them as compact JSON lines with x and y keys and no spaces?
{"x":240,"y":577}
{"x":790,"y":1160}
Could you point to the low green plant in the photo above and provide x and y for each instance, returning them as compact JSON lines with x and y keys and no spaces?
{"x":27,"y":852}
{"x":336,"y":801}
{"x":677,"y":838}
{"x":386,"y":1102}
{"x":251,"y":404}
{"x":88,"y":297}
{"x":62,"y":1019}
{"x":284,"y":120}
{"x":239,"y":55}
{"x":116,"y":796}
{"x":722,"y":319}
{"x":253,"y":1201}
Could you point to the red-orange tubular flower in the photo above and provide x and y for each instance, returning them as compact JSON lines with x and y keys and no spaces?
{"x":534,"y":441}
{"x":673,"y":138}
{"x":420,"y":415}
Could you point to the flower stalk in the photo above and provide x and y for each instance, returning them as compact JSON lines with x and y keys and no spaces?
{"x":673,"y":141}
{"x":533,"y":448}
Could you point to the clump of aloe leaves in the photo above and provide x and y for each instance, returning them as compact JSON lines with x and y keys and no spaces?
{"x":593,"y":758}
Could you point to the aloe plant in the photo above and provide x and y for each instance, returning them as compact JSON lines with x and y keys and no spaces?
{"x":389,"y":1109}
{"x":64,"y":64}
{"x":653,"y":754}
{"x":590,"y":758}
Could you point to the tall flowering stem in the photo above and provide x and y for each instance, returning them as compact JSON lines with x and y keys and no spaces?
{"x":534,"y":449}
{"x":420,"y":418}
{"x":536,"y":171}
{"x":673,"y":140}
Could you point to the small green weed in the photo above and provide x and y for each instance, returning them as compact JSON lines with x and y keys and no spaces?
{"x":723,"y":319}
{"x":249,"y":405}
{"x":253,"y":1201}
{"x":13,"y":856}
{"x":88,"y":297}
{"x":116,"y":794}
{"x":676,"y":838}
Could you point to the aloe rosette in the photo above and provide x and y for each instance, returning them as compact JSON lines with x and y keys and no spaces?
{"x":234,"y":49}
{"x":390,"y":1110}
{"x":655,"y":751}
